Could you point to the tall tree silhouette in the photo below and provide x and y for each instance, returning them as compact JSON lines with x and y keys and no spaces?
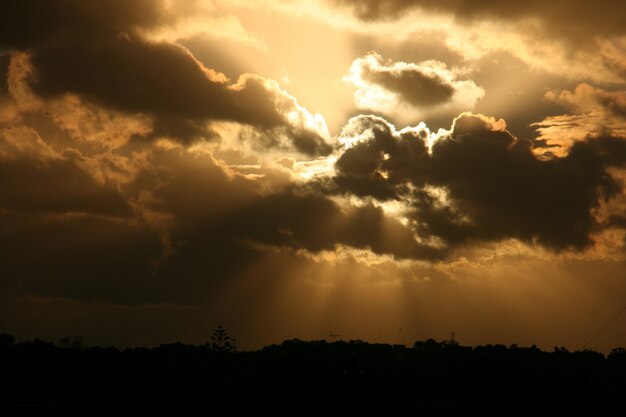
{"x":220,"y":341}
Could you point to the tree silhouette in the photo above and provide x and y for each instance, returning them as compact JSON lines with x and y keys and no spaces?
{"x":221,"y":341}
{"x":6,"y":339}
{"x":71,"y":343}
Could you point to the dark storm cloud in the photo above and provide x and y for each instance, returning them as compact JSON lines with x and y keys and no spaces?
{"x":5,"y":59}
{"x":166,"y":81}
{"x":382,"y":163}
{"x":413,"y":85}
{"x":497,"y":188}
{"x":162,"y":79}
{"x":41,"y":181}
{"x":207,"y":226}
{"x":96,"y":50}
{"x":57,"y":186}
{"x":408,"y":91}
{"x":315,"y":223}
{"x":214,"y":250}
{"x":615,"y":104}
{"x":79,"y":256}
{"x":296,"y":217}
{"x":54,"y":252}
{"x":308,"y":141}
{"x":570,"y":18}
{"x":25,"y":24}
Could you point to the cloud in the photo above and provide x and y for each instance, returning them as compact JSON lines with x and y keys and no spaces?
{"x":34,"y":178}
{"x":586,"y":98}
{"x":99,"y":53}
{"x":167,"y":82}
{"x":592,"y":112}
{"x":4,"y":74}
{"x":79,"y":256}
{"x":578,"y":41}
{"x":92,"y":210}
{"x":419,"y":86}
{"x":479,"y":183}
{"x":410,"y":91}
{"x":564,"y":17}
{"x":155,"y":222}
{"x":29,"y":23}
{"x":198,"y":244}
{"x":316,"y":223}
{"x":293,"y":216}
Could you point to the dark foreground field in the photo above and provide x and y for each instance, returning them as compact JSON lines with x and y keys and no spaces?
{"x":307,"y":378}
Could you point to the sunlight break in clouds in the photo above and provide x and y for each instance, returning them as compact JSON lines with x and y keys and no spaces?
{"x":451,"y":166}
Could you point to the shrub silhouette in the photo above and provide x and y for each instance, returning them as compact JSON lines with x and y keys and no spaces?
{"x":71,"y":343}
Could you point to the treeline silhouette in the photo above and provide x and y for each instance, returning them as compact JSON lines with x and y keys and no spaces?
{"x":308,"y":377}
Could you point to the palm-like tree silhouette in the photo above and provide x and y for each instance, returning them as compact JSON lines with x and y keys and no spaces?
{"x":221,"y":341}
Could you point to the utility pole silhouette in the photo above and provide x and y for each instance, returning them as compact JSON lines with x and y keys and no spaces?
{"x":334,"y":336}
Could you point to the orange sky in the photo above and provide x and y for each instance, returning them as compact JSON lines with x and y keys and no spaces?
{"x":384,"y":170}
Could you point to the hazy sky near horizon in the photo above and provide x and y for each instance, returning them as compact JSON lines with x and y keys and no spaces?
{"x":386,"y":170}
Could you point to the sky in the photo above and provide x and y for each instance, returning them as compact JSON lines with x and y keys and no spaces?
{"x":382,"y":170}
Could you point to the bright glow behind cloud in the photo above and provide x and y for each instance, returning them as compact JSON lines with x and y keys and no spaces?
{"x":410,"y":92}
